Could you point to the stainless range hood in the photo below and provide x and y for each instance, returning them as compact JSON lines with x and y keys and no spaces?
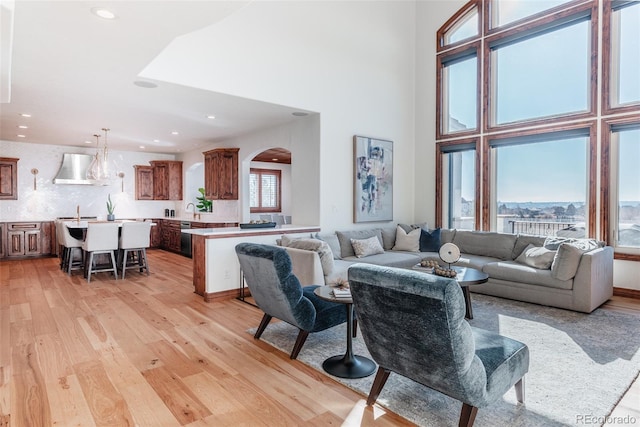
{"x":74,"y":169}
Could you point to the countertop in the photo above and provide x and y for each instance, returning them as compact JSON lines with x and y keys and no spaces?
{"x":189,"y":218}
{"x":238,"y":232}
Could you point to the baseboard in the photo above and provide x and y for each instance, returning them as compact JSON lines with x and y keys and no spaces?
{"x":225,"y":295}
{"x":625,"y":292}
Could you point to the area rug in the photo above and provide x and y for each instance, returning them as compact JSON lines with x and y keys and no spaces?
{"x":581,"y":365}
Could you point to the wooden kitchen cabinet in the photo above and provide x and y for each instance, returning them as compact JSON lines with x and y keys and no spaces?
{"x":144,"y":182}
{"x":3,"y":240}
{"x":8,"y":178}
{"x":171,"y":235}
{"x":167,"y":179}
{"x":25,"y":239}
{"x":221,"y":174}
{"x":156,"y":234}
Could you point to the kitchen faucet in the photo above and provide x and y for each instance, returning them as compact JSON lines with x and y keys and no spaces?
{"x":194,"y":210}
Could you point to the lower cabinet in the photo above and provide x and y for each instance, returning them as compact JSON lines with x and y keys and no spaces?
{"x":26,"y":239}
{"x":171,"y":235}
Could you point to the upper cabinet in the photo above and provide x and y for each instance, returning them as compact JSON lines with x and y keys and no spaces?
{"x":221,"y":174}
{"x":8,"y":178}
{"x":160,"y":181}
{"x":144,"y":182}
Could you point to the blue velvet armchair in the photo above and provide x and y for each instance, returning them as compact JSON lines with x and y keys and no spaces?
{"x":413,"y":325}
{"x":277,"y":291}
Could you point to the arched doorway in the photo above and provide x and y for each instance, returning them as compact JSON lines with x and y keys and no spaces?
{"x":270,"y":186}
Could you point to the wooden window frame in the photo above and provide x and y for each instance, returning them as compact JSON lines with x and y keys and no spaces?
{"x":278,"y":174}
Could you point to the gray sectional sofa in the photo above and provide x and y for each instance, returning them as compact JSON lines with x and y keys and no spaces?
{"x":574,"y":274}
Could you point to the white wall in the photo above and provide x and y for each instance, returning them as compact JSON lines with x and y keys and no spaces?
{"x":352,"y":62}
{"x":53,"y":200}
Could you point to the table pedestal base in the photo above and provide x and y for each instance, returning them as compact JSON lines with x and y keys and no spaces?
{"x":349,"y":367}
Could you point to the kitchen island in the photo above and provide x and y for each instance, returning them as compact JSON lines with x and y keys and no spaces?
{"x":216,"y":271}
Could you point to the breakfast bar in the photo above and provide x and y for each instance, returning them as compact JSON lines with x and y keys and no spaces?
{"x":216,"y":271}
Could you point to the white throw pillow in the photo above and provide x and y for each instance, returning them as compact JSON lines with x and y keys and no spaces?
{"x":566,"y":262}
{"x":407,"y":241}
{"x":366,"y":247}
{"x":536,"y":257}
{"x":319,"y":246}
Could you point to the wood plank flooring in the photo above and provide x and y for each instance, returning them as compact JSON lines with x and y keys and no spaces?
{"x":147,"y":351}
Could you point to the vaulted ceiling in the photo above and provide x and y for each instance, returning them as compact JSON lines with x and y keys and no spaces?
{"x":75,"y":73}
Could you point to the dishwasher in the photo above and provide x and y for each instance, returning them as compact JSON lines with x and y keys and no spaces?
{"x":185,"y":239}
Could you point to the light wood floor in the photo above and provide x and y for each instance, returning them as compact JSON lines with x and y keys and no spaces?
{"x":147,"y":351}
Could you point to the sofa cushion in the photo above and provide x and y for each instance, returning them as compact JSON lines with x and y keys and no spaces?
{"x":407,"y":241}
{"x":366,"y":247}
{"x":430,"y":240}
{"x":524,"y":240}
{"x":553,"y":242}
{"x":399,"y":259}
{"x":388,"y":237}
{"x":447,"y":235}
{"x":536,"y":257}
{"x":332,"y":241}
{"x":515,"y":272}
{"x":344,"y":237}
{"x":498,"y":245}
{"x":316,"y":245}
{"x":565,"y":264}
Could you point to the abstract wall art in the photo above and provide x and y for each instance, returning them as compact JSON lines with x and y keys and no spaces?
{"x":373,"y":181}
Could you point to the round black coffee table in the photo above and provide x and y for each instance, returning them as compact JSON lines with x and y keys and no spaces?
{"x":466,"y":276}
{"x":348,"y":365}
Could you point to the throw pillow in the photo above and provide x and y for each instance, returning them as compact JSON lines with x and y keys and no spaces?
{"x":565,"y":264}
{"x":332,"y":241}
{"x":430,"y":240}
{"x":366,"y":247}
{"x":407,"y":241}
{"x":319,"y":246}
{"x":536,"y":257}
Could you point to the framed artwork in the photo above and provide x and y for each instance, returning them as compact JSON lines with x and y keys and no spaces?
{"x":373,"y":180}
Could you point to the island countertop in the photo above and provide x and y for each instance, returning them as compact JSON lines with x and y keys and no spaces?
{"x":226,"y":232}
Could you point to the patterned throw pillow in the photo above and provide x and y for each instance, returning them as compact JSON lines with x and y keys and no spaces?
{"x":366,"y":247}
{"x":537,"y":257}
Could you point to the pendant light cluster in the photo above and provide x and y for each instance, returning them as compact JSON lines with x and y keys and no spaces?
{"x":99,"y":170}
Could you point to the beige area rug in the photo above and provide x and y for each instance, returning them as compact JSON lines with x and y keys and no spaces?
{"x":581,"y":365}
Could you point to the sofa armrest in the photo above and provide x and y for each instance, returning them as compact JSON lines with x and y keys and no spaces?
{"x":306,"y":266}
{"x":593,"y":282}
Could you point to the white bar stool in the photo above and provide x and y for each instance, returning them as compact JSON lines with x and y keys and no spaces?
{"x":102,"y":238}
{"x":135,"y":238}
{"x":68,"y":243}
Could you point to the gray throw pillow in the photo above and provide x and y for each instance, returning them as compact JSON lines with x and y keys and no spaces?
{"x":537,"y":257}
{"x":346,"y":248}
{"x":332,"y":241}
{"x":565,"y":264}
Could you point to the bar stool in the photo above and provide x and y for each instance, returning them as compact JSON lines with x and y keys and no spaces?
{"x":68,"y":243}
{"x":135,"y":238}
{"x":102,"y":238}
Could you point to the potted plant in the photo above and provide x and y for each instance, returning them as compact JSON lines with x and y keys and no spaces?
{"x":110,"y":208}
{"x":204,"y":205}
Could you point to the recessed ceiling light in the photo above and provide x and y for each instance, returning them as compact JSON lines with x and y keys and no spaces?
{"x":145,"y":84}
{"x":211,"y":116}
{"x":88,"y":142}
{"x":103,"y":13}
{"x":275,"y":160}
{"x":23,"y":127}
{"x":21,"y":136}
{"x":300,"y":113}
{"x":156,"y":140}
{"x":175,"y":132}
{"x":142,"y":147}
{"x":25,"y":115}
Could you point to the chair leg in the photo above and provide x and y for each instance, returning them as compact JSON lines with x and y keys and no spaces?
{"x":302,"y":337}
{"x":468,"y":415}
{"x":113,"y":265}
{"x":263,"y":325}
{"x":378,"y":383}
{"x":123,"y":262}
{"x":520,"y":390}
{"x":89,"y":266}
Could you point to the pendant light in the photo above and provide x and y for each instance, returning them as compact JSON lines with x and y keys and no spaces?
{"x":94,"y":172}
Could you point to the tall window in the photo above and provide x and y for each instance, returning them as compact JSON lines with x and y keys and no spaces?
{"x":459,"y":178}
{"x":549,"y":73}
{"x":264,"y":190}
{"x":536,"y":192}
{"x":625,"y":156}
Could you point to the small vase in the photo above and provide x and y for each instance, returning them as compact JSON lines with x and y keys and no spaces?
{"x":111,"y":217}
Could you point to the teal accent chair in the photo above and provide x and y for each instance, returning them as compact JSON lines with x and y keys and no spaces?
{"x":277,"y":291}
{"x":413,"y":325}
